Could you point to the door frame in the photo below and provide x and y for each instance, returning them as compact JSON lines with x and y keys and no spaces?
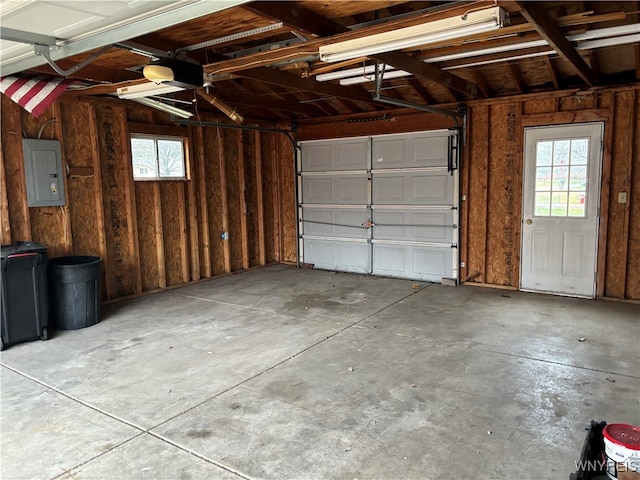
{"x":597,"y":201}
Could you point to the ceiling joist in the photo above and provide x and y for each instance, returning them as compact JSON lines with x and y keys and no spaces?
{"x":538,"y":18}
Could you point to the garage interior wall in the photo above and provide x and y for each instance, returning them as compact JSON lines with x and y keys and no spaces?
{"x":153,"y":235}
{"x":491,"y":179}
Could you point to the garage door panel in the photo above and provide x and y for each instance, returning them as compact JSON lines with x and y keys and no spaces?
{"x":334,"y":223}
{"x":429,"y":264}
{"x":329,"y":156}
{"x":337,"y":255}
{"x":417,"y":188}
{"x":400,"y":183}
{"x":432,"y":226}
{"x":335,"y":190}
{"x":429,"y":149}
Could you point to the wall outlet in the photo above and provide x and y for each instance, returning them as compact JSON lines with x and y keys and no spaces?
{"x":622,"y":197}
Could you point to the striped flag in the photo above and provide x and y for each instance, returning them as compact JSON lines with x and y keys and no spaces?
{"x":34,"y":94}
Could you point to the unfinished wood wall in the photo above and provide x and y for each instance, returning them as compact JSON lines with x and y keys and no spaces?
{"x":151,"y":234}
{"x":491,"y":179}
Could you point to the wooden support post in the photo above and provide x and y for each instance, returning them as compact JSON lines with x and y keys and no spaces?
{"x":130,"y":199}
{"x":5,"y":227}
{"x":604,"y":200}
{"x":224,"y":201}
{"x":202,"y":203}
{"x":97,"y":189}
{"x":66,"y":215}
{"x":630,"y":136}
{"x":192,"y":216}
{"x":19,"y":218}
{"x":184,"y":241}
{"x":277,"y":199}
{"x":262,"y":255}
{"x":159,"y":237}
{"x":243,"y":202}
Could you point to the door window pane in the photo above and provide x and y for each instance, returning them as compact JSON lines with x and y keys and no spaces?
{"x":544,"y":153}
{"x":561,"y":178}
{"x":542,"y":201}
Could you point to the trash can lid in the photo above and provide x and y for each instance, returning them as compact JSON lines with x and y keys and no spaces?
{"x":21,"y":247}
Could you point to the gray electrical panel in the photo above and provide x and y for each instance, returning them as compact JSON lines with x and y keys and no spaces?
{"x":43,"y":171}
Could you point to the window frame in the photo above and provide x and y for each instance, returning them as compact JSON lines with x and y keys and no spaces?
{"x":160,"y":137}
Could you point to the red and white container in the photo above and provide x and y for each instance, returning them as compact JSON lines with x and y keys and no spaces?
{"x":621,"y":448}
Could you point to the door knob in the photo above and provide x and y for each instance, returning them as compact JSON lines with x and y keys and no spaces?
{"x":529,"y":221}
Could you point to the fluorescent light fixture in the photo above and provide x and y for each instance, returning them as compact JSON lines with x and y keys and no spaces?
{"x":602,"y":37}
{"x":351,"y":72}
{"x":146,"y":90}
{"x":436,"y":31}
{"x":371,"y":78}
{"x":178,"y":112}
{"x":609,"y":42}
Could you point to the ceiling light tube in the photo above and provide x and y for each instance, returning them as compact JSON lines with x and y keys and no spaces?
{"x":609,"y":42}
{"x":178,"y":112}
{"x":351,"y":72}
{"x":503,"y":59}
{"x":371,"y":78}
{"x":146,"y":90}
{"x":417,"y":35}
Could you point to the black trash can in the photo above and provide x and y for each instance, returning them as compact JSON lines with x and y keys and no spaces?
{"x":24,"y":314}
{"x":74,"y":291}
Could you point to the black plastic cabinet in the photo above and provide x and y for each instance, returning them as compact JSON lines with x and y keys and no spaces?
{"x":25,"y":308}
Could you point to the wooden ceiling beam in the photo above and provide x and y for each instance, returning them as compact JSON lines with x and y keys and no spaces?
{"x":516,"y":77}
{"x":421,"y":91}
{"x":429,"y":72}
{"x":311,"y":22}
{"x":289,"y":80}
{"x":536,"y":15}
{"x":553,"y":72}
{"x":482,"y":83}
{"x":241,"y":97}
{"x":311,"y":47}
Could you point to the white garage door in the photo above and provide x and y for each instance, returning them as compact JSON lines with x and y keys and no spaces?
{"x":385,"y":205}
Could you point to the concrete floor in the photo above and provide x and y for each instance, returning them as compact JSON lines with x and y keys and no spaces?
{"x":287,"y":373}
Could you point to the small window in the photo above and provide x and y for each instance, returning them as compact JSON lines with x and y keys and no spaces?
{"x":561,"y":178}
{"x":157,"y":158}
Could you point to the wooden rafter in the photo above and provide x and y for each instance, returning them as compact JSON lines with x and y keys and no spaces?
{"x":241,"y":97}
{"x":421,"y":91}
{"x":482,"y":83}
{"x":538,"y":18}
{"x":311,"y":47}
{"x":516,"y":77}
{"x":553,"y":72}
{"x":277,"y":77}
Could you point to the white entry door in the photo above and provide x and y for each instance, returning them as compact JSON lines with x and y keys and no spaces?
{"x":560,"y":209}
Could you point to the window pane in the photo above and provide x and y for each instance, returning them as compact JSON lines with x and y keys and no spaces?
{"x":543,"y":154}
{"x":543,"y":179}
{"x":576,"y":204}
{"x":560,"y":176}
{"x":578,"y":178}
{"x":559,"y":204}
{"x":143,"y":157}
{"x":579,"y":151}
{"x":170,"y":158}
{"x":542,"y":200}
{"x":561,"y":152}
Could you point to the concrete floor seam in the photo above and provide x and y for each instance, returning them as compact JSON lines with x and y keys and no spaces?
{"x":291,"y":357}
{"x":559,"y":363}
{"x":75,"y":399}
{"x":86,"y":462}
{"x":200,"y":456}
